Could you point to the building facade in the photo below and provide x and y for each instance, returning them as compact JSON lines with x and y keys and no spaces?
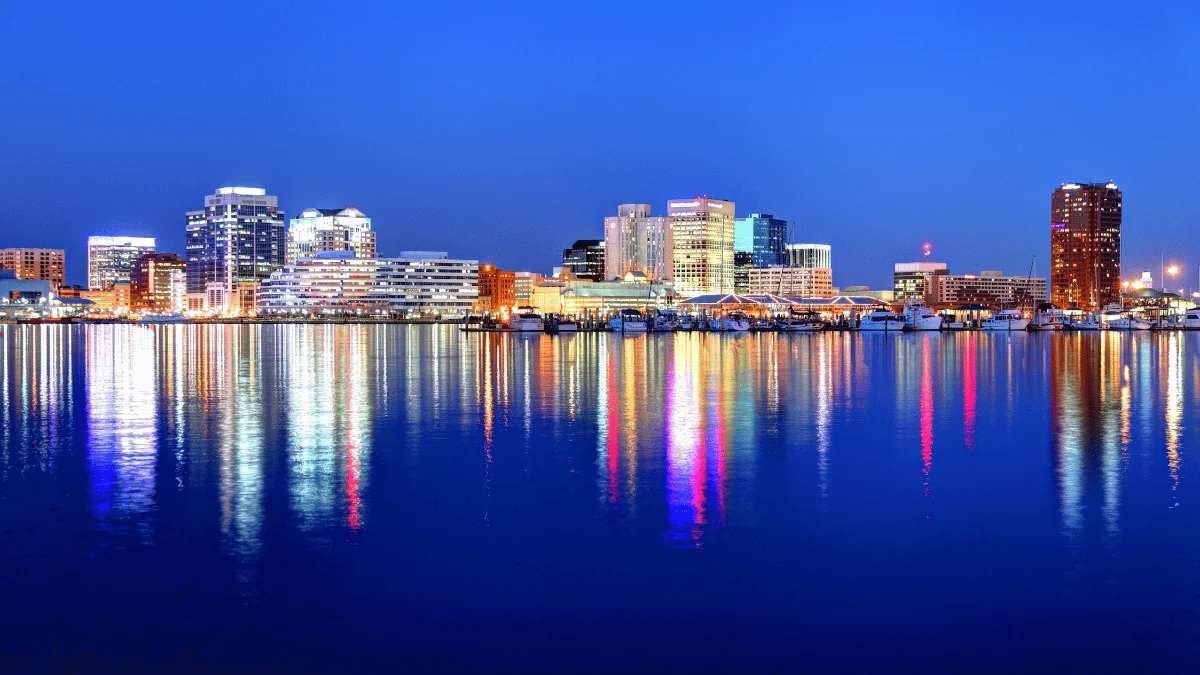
{"x":915,"y":279}
{"x":743,"y":262}
{"x":585,"y":259}
{"x":523,"y":284}
{"x":319,"y":230}
{"x":764,"y":236}
{"x":635,"y":241}
{"x":497,"y":289}
{"x":238,"y":237}
{"x":110,"y":258}
{"x":989,"y":288}
{"x":153,"y":283}
{"x":1085,"y":245}
{"x":702,"y":240}
{"x":810,"y":255}
{"x":792,"y":282}
{"x":337,"y":282}
{"x":36,"y":264}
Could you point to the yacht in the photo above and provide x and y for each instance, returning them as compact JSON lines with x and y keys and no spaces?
{"x":804,"y":322}
{"x":1191,"y":320}
{"x":918,"y":316}
{"x":163,"y":318}
{"x":951,"y":322}
{"x":527,"y":320}
{"x":628,"y":321}
{"x":686,"y":322}
{"x":1051,"y":319}
{"x":882,"y":320}
{"x":1128,"y":323}
{"x":665,"y":320}
{"x":1006,"y":320}
{"x":561,"y":325}
{"x":735,"y":321}
{"x":1084,"y":323}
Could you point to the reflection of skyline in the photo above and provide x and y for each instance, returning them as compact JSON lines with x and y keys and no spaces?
{"x":36,"y":394}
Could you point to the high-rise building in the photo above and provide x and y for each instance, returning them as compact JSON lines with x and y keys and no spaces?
{"x":497,"y":289}
{"x":317,"y":230}
{"x":915,"y":279}
{"x":743,"y":262}
{"x":1085,"y":245}
{"x":762,"y":235}
{"x":238,"y":237}
{"x":702,"y":235}
{"x":988,"y":287}
{"x":418,"y":283}
{"x":585,"y":259}
{"x":110,"y":259}
{"x":792,"y":282}
{"x":36,"y":264}
{"x":635,"y":241}
{"x":152,"y":283}
{"x":814,"y":256}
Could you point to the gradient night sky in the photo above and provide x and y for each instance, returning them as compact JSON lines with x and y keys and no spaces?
{"x":505,"y":133}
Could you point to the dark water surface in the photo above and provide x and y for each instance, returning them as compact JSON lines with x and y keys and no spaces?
{"x":370,"y":497}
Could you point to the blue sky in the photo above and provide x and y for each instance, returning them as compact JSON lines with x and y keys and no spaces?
{"x":506,"y":133}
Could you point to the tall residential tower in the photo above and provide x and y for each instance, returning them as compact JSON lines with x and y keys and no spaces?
{"x":1085,"y":245}
{"x":635,"y":241}
{"x":702,"y":235}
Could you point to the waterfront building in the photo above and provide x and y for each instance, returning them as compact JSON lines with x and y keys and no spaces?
{"x":702,"y":239}
{"x":497,"y":289}
{"x":743,"y":261}
{"x":581,"y":297}
{"x":818,"y":256}
{"x":523,"y":283}
{"x":152,"y":283}
{"x":585,"y":259}
{"x":34,"y":298}
{"x":36,"y":264}
{"x":989,"y":287}
{"x":915,"y":279}
{"x":114,"y":300}
{"x":110,"y":258}
{"x":416,"y":284}
{"x":318,"y":230}
{"x":792,"y":282}
{"x":1085,"y":245}
{"x":763,"y":236}
{"x":238,"y":237}
{"x":865,"y":291}
{"x":635,"y":241}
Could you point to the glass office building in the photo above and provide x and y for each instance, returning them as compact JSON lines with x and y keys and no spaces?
{"x":764,"y":237}
{"x":238,"y":237}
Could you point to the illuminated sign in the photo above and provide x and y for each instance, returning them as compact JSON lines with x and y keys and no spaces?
{"x":1058,"y":226}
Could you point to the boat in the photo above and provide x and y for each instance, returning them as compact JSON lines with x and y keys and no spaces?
{"x":1050,"y":319}
{"x":1005,"y":320}
{"x":1128,"y":323}
{"x":882,"y":320}
{"x":1085,"y":323}
{"x":918,"y":316}
{"x":664,"y":320}
{"x":686,"y":322}
{"x":951,"y":322}
{"x":561,"y":325}
{"x":628,"y":321}
{"x":163,"y":318}
{"x":1191,"y":320}
{"x":804,"y":322}
{"x":527,"y":320}
{"x":735,"y":322}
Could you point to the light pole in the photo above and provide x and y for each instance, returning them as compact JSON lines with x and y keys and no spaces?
{"x":1173,"y":270}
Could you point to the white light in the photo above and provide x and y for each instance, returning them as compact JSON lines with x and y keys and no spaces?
{"x":244,"y":191}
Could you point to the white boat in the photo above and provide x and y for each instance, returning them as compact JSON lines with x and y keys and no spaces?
{"x":628,"y":321}
{"x":1128,"y":323}
{"x":918,"y":316}
{"x":686,"y":322}
{"x":163,"y":318}
{"x":527,"y":321}
{"x":882,"y":320}
{"x":1191,"y":320}
{"x":1051,"y":319}
{"x":735,"y":322}
{"x":665,"y":320}
{"x":1086,"y":323}
{"x":1006,"y":320}
{"x":951,"y":322}
{"x":805,"y":322}
{"x":566,"y":326}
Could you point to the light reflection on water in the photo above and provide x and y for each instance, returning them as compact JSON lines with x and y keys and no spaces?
{"x":287,"y":441}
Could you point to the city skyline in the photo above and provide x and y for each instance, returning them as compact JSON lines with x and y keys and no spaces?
{"x":102,"y":152}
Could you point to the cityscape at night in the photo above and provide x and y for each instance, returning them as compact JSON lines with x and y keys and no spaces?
{"x":831,"y":337}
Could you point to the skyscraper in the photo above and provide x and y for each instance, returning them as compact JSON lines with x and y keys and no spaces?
{"x":635,"y":241}
{"x":1085,"y":245}
{"x":238,"y":237}
{"x":764,"y":236}
{"x":585,"y":259}
{"x":36,"y":264}
{"x":743,"y":262}
{"x":318,"y":230}
{"x":111,"y":258}
{"x":814,"y":256}
{"x":153,"y":280}
{"x":702,"y":235}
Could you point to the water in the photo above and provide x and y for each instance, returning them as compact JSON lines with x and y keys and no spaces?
{"x":348,"y":497}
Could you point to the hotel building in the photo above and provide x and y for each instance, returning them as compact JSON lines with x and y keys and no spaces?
{"x":36,"y":264}
{"x":763,"y":236}
{"x":635,"y":241}
{"x":158,"y":283}
{"x":585,"y":259}
{"x":702,"y":238}
{"x":238,"y":237}
{"x":1085,"y":245}
{"x":110,"y":259}
{"x":989,"y":288}
{"x":318,"y":230}
{"x":915,"y":279}
{"x":792,"y":282}
{"x":418,"y":283}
